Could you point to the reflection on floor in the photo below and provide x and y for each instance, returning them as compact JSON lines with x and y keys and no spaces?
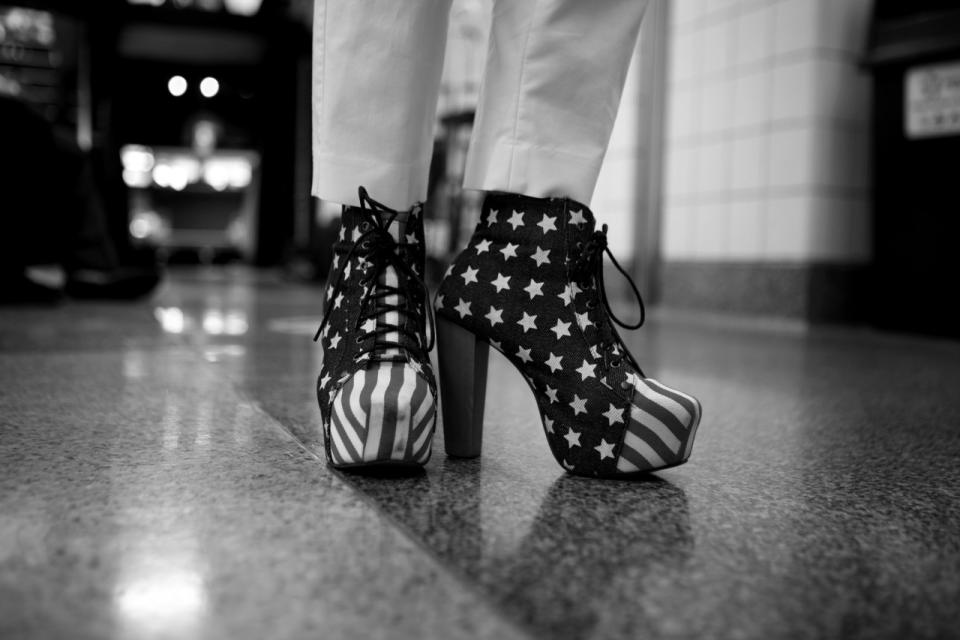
{"x":161,"y":476}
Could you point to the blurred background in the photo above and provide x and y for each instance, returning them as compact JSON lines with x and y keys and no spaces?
{"x":772,"y":158}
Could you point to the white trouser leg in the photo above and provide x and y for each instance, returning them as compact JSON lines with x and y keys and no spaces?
{"x":376,"y":78}
{"x":554,"y":75}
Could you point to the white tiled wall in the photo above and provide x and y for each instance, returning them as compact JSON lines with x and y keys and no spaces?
{"x":767,"y":131}
{"x":614,"y":197}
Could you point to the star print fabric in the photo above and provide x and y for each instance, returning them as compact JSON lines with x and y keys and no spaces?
{"x":378,"y":403}
{"x":519,"y":286}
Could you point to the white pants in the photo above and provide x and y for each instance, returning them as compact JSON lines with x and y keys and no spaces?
{"x":554,"y":75}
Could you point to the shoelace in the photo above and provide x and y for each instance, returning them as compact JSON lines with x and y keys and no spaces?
{"x":378,"y":250}
{"x":589,"y":265}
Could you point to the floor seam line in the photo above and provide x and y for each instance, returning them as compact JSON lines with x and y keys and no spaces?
{"x":408,"y":534}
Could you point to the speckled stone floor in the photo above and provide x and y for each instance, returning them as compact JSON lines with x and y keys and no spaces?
{"x":161,"y":475}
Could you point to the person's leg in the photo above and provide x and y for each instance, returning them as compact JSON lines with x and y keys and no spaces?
{"x":90,"y":247}
{"x":33,"y":233}
{"x":56,"y":215}
{"x":530,"y":282}
{"x":376,"y":66}
{"x":554,"y":76}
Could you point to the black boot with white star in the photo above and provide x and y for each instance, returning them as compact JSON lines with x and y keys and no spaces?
{"x":530,"y":284}
{"x":376,"y":389}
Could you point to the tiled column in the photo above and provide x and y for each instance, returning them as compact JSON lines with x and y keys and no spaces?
{"x":766,"y":195}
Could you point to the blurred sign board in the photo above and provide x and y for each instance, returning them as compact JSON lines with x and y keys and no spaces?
{"x":932,"y":101}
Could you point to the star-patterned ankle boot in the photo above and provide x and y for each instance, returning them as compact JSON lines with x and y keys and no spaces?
{"x":530,"y":284}
{"x":376,"y":389}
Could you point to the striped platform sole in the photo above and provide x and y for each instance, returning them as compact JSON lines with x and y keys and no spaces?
{"x":661,"y":429}
{"x":383,"y":416}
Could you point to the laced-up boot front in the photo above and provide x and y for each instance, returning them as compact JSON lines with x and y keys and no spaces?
{"x":530,"y":284}
{"x":376,"y":389}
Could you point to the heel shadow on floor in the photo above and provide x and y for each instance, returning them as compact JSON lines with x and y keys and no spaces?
{"x":594,"y":552}
{"x":579,"y":567}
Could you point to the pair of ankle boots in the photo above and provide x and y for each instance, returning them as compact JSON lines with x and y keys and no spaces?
{"x":530,"y":285}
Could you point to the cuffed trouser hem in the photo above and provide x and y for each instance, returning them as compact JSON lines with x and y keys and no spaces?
{"x":538,"y":172}
{"x":397,"y":185}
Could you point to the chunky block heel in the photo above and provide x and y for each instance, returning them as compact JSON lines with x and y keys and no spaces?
{"x":463,"y":385}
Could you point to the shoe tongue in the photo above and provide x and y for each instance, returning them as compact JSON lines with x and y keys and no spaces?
{"x":397,"y":228}
{"x":390,"y":277}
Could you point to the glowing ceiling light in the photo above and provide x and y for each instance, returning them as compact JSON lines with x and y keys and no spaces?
{"x":221,"y":173}
{"x":213,"y":323}
{"x":139,"y":228}
{"x":136,"y":179}
{"x":146,"y":224}
{"x":209,"y":87}
{"x":161,"y":175}
{"x":235,"y":323}
{"x":243,"y":7}
{"x":137,"y":158}
{"x":171,"y":319}
{"x":177,"y":86}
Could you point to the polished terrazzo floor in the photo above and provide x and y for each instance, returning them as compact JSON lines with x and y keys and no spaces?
{"x":161,"y":476}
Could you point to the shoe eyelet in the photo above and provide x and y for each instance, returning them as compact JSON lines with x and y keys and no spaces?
{"x":580,"y":245}
{"x":365,"y":244}
{"x":359,"y":340}
{"x":364,"y":226}
{"x":616,"y":364}
{"x":591,"y":304}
